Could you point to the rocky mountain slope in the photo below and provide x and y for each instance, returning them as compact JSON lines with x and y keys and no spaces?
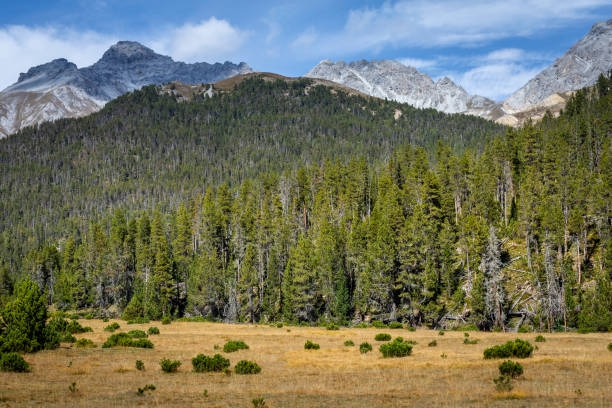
{"x":579,"y":67}
{"x":395,"y":81}
{"x":60,"y":89}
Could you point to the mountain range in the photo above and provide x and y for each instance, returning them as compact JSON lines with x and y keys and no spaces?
{"x":59,"y":89}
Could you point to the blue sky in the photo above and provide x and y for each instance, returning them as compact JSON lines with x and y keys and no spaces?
{"x":490,"y":48}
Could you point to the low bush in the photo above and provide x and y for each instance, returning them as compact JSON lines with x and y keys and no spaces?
{"x":124,"y":340}
{"x":85,"y":343}
{"x":382,"y":337}
{"x":137,"y":334}
{"x":467,"y":327}
{"x":205,"y":364}
{"x":349,"y":343}
{"x":332,"y":326}
{"x":140,"y":365}
{"x":378,"y":324}
{"x":247,"y":367}
{"x":68,"y":338}
{"x":511,"y":369}
{"x":361,"y":325}
{"x":166,"y":320}
{"x":138,"y":320}
{"x":112,"y":327}
{"x":396,"y":325}
{"x":411,"y":328}
{"x":468,"y":341}
{"x":432,"y":344}
{"x":234,"y":345}
{"x":279,"y":325}
{"x":441,"y":333}
{"x":365,"y":347}
{"x":397,"y":348}
{"x":13,"y":362}
{"x":169,"y":366}
{"x":75,"y":327}
{"x":503,"y":383}
{"x":610,"y":347}
{"x":148,"y":387}
{"x":517,"y":348}
{"x":540,"y":339}
{"x":309,"y":345}
{"x":259,"y":402}
{"x":153,"y":330}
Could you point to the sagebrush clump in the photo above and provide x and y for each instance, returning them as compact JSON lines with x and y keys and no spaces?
{"x":140,"y":365}
{"x":396,"y":325}
{"x":309,"y":345}
{"x":85,"y":343}
{"x":205,"y":364}
{"x":511,"y":369}
{"x":247,"y":367}
{"x":517,"y":348}
{"x":112,"y":327}
{"x":153,"y":330}
{"x":365,"y":347}
{"x":124,"y":340}
{"x":349,"y":343}
{"x":169,"y":366}
{"x":137,"y":334}
{"x":540,"y":339}
{"x":433,"y":343}
{"x":397,"y":348}
{"x":234,"y":345}
{"x":13,"y":362}
{"x":382,"y":337}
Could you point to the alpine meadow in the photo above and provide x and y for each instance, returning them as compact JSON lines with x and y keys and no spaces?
{"x":195,"y":234}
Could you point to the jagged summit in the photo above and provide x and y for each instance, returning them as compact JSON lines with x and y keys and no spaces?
{"x":578,"y":67}
{"x":60,"y":89}
{"x":395,"y":81}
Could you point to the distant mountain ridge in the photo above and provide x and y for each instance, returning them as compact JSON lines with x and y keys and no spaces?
{"x":60,"y":89}
{"x":395,"y":81}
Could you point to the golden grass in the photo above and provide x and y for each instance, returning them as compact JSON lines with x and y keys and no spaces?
{"x":569,"y":369}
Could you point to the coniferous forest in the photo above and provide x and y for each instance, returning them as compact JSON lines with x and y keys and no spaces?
{"x":283,"y":201}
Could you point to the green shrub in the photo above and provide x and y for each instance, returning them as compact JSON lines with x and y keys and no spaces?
{"x":332,"y":326}
{"x":13,"y":362}
{"x":382,"y":337}
{"x":234,"y":345}
{"x":378,"y":324}
{"x":105,"y":320}
{"x":140,"y":365}
{"x":169,"y":366}
{"x":85,"y":343}
{"x":153,"y":330}
{"x":349,"y":343}
{"x":511,"y":369}
{"x":432,"y":344}
{"x":137,"y":334}
{"x":89,"y":316}
{"x":397,"y":348}
{"x":75,"y":327}
{"x":279,"y":325}
{"x":540,"y":339}
{"x":441,"y":333}
{"x":523,"y":329}
{"x":468,"y":341}
{"x":467,"y":327}
{"x":247,"y":367}
{"x":365,"y":347}
{"x":138,"y":320}
{"x":124,"y":340}
{"x":258,"y":402}
{"x":148,"y":387}
{"x":412,"y":328}
{"x":68,"y":338}
{"x":166,"y":320}
{"x":503,"y":383}
{"x":610,"y":347}
{"x":517,"y":348}
{"x":112,"y":327}
{"x":309,"y":345}
{"x":396,"y":325}
{"x":362,"y":325}
{"x":205,"y":364}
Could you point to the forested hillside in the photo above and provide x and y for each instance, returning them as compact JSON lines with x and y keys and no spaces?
{"x":146,"y":150}
{"x":308,"y":216}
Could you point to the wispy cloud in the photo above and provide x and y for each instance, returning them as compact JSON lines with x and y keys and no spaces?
{"x":418,"y":63}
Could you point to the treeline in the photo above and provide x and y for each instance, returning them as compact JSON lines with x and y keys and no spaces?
{"x":518,"y":235}
{"x":146,"y":149}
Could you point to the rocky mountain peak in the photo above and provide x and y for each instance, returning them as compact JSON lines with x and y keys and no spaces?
{"x":129,"y":51}
{"x":51,"y":69}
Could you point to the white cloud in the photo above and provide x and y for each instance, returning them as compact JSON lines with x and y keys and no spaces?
{"x":464,"y":23}
{"x":418,"y":63}
{"x":306,"y":39}
{"x":210,"y":40}
{"x":22,"y":47}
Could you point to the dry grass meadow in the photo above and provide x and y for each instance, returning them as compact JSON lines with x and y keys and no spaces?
{"x":569,"y":369}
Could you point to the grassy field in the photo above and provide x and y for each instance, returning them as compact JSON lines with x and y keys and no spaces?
{"x":567,"y":370}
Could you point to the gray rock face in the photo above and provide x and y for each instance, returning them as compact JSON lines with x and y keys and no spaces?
{"x":124,"y":67}
{"x":395,"y":81}
{"x":577,"y":68}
